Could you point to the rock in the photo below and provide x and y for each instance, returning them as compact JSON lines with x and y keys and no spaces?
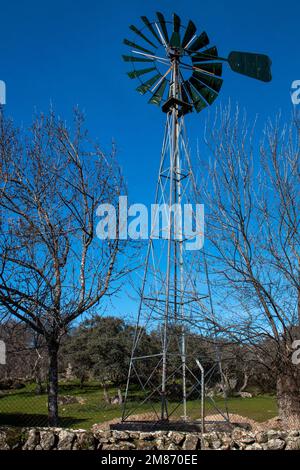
{"x":103,"y":436}
{"x":160,"y":443}
{"x":85,"y":441}
{"x":14,"y":438}
{"x":242,"y":436}
{"x":205,"y":443}
{"x":293,"y":443}
{"x":294,"y":433}
{"x":191,"y":442}
{"x":3,"y":443}
{"x":216,"y":444}
{"x":173,"y":446}
{"x":272,"y":434}
{"x":120,"y":435}
{"x":65,"y":440}
{"x":47,"y":440}
{"x":134,"y":435}
{"x":123,"y":445}
{"x":245,"y":395}
{"x":147,"y":436}
{"x":226,"y":442}
{"x":276,"y":444}
{"x":115,"y":401}
{"x":110,"y":447}
{"x":32,"y":440}
{"x":261,"y":437}
{"x":145,"y":445}
{"x":176,"y":437}
{"x":254,"y":446}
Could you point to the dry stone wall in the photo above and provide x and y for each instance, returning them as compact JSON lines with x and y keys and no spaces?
{"x":68,"y":439}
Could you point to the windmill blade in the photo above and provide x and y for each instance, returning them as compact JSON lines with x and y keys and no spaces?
{"x":159,"y":93}
{"x":196,"y":98}
{"x":208,"y":94}
{"x":200,"y":41}
{"x":175,"y":38}
{"x":176,"y":23}
{"x":213,"y":82}
{"x":150,"y":27}
{"x":213,"y":69}
{"x":189,"y":33}
{"x":163,"y":26}
{"x":206,"y":56}
{"x":136,"y":46}
{"x":130,"y":58}
{"x":138,"y":32}
{"x":138,"y":73}
{"x":148,"y":84}
{"x":253,"y":65}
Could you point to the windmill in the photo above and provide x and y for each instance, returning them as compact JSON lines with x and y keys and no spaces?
{"x":182,"y":73}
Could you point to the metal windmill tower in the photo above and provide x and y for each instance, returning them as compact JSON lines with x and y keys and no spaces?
{"x":182,"y":72}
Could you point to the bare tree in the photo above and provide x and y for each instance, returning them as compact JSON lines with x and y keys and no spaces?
{"x":251,"y":193}
{"x":53,"y":268}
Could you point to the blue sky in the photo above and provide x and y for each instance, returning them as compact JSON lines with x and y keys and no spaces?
{"x":69,"y":53}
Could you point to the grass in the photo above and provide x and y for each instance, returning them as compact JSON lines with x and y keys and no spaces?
{"x":24,"y":408}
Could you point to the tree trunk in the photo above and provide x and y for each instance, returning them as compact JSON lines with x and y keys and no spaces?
{"x":53,"y":383}
{"x":288,"y":395}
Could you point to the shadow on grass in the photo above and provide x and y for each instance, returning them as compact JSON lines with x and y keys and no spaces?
{"x":32,"y":420}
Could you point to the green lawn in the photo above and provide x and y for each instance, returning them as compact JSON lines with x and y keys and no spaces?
{"x":24,"y":408}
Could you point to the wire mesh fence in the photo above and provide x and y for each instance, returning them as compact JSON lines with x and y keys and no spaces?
{"x":24,"y":397}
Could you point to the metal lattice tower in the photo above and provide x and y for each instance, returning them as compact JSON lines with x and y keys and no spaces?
{"x":185,"y":76}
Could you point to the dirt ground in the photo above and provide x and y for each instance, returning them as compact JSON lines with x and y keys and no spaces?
{"x":274,"y":423}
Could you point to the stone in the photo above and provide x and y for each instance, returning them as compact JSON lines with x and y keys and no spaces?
{"x":47,"y":440}
{"x":191,"y":442}
{"x":293,"y":443}
{"x":243,"y":437}
{"x":160,"y":443}
{"x":254,"y":446}
{"x":205,"y":443}
{"x":261,"y":437}
{"x":120,"y":435}
{"x":276,"y":444}
{"x":272,"y":434}
{"x":226,"y":442}
{"x":3,"y":443}
{"x":65,"y":440}
{"x":173,"y":446}
{"x":134,"y":435}
{"x":147,"y":436}
{"x":245,"y":395}
{"x":110,"y":447}
{"x":103,"y":436}
{"x":14,"y":438}
{"x":176,"y":437}
{"x":145,"y":445}
{"x":216,"y":444}
{"x":32,"y":439}
{"x":85,"y":441}
{"x":123,"y":445}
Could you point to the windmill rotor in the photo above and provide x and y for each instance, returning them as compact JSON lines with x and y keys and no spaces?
{"x":159,"y":44}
